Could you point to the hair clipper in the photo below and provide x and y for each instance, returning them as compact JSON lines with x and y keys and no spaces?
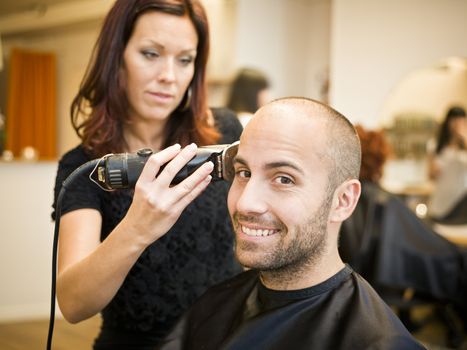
{"x":120,"y":171}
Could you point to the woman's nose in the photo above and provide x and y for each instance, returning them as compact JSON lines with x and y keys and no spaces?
{"x":167,"y":72}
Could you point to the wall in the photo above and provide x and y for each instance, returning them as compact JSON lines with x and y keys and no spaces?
{"x":376,"y":43}
{"x":26,"y":232}
{"x":289,"y":40}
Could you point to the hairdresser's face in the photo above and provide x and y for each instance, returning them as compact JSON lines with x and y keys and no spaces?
{"x":278,"y":200}
{"x":158,"y":64}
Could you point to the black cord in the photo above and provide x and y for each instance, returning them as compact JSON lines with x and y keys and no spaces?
{"x":54,"y":270}
{"x":79,"y":171}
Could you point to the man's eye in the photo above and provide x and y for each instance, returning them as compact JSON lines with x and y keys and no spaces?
{"x":284,"y":180}
{"x":243,"y":173}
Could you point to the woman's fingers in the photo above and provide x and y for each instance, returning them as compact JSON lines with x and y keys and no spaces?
{"x":157,"y":205}
{"x":190,"y":188}
{"x":176,"y":164}
{"x":190,"y":196}
{"x":156,"y":161}
{"x":158,"y":192}
{"x":172,"y":159}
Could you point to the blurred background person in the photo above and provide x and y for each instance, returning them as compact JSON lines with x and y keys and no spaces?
{"x":376,"y":150}
{"x":357,"y":242}
{"x":448,"y":170}
{"x":250,"y":90}
{"x":138,"y":256}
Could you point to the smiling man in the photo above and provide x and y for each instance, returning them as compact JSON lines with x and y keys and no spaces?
{"x":296,"y":181}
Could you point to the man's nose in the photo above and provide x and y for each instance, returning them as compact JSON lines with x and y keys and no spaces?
{"x":252,"y":198}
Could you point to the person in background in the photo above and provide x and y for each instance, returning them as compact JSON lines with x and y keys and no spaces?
{"x":249,"y":91}
{"x":141,"y":257}
{"x":290,"y":195}
{"x":376,"y":150}
{"x":448,"y":170}
{"x":354,"y":247}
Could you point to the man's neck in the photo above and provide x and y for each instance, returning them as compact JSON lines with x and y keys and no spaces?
{"x":304,"y":276}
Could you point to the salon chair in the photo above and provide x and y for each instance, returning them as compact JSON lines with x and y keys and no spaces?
{"x":407,"y":263}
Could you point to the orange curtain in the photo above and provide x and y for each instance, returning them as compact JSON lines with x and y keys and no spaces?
{"x":31,"y":103}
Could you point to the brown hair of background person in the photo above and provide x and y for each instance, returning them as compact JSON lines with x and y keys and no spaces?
{"x":447,"y":167}
{"x":446,"y":135}
{"x":99,"y":109}
{"x":375,"y":151}
{"x":246,"y":87}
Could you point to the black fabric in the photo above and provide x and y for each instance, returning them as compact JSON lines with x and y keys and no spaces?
{"x":412,"y":255}
{"x":392,"y":248}
{"x":359,"y":238}
{"x":196,"y":253}
{"x":343,"y":312}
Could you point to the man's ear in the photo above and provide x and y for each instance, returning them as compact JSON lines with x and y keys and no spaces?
{"x":344,"y":200}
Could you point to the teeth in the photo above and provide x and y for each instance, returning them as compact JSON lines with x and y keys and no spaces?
{"x":256,"y":233}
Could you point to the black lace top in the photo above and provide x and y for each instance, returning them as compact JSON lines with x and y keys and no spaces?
{"x":196,"y":253}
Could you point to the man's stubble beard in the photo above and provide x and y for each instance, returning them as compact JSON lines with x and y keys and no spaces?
{"x":287,"y":260}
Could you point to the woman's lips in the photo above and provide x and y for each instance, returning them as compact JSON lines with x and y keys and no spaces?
{"x":161,"y":96}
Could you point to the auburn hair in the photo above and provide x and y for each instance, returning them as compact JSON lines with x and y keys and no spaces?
{"x":375,"y":151}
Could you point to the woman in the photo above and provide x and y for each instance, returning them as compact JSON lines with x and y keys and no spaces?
{"x":249,"y":91}
{"x":139,"y":257}
{"x":448,"y":170}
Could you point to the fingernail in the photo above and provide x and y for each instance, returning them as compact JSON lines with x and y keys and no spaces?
{"x":192,"y":146}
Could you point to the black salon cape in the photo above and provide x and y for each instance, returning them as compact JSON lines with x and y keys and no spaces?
{"x":343,"y":312}
{"x":412,"y":255}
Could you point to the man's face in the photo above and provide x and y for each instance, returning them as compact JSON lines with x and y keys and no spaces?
{"x":279,"y":201}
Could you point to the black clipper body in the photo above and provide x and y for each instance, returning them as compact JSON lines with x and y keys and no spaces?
{"x":120,"y":171}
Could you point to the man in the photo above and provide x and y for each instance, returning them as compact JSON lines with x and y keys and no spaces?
{"x":296,"y":182}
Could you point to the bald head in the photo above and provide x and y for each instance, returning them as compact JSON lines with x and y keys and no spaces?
{"x":342,"y":150}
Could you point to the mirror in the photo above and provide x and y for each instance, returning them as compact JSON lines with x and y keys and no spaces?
{"x":411,"y":115}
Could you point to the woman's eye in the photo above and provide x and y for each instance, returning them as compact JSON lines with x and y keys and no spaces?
{"x":186,"y":60}
{"x":150,"y":54}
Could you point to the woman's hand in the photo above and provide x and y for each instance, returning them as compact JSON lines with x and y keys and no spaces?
{"x":156,"y":204}
{"x":90,"y":271}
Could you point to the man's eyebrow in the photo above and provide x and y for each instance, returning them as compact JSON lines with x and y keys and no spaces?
{"x":240,"y":160}
{"x":273,"y":165}
{"x":284,"y":164}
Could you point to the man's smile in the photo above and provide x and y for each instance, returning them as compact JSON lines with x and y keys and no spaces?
{"x":257,"y":232}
